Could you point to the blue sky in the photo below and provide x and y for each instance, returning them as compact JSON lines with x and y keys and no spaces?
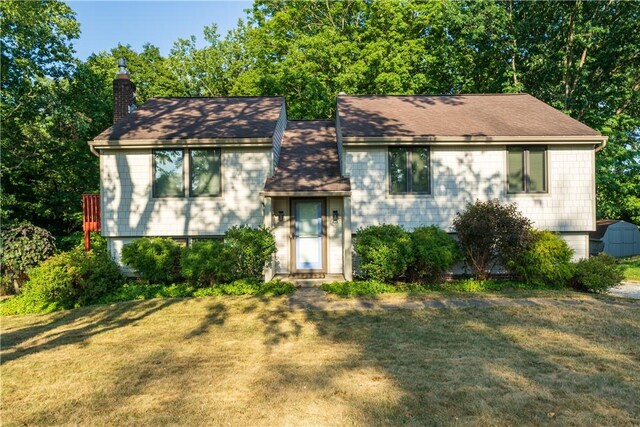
{"x":104,"y":24}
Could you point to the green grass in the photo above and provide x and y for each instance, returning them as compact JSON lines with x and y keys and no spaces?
{"x":247,"y":360}
{"x":631,"y":268}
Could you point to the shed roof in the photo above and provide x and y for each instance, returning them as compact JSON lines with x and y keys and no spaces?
{"x":308,"y":160}
{"x":477,"y":115}
{"x":198,"y":118}
{"x":601,"y":228}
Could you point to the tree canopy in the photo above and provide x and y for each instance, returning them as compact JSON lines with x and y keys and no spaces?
{"x":580,"y":57}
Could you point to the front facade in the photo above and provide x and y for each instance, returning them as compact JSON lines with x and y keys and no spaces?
{"x":190,"y":168}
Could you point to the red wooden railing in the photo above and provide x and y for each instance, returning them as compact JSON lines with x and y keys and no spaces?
{"x":90,"y":217}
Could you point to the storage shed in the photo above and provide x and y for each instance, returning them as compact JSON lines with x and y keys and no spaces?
{"x":615,"y":237}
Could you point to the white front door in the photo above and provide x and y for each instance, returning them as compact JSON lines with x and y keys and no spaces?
{"x":308,"y":240}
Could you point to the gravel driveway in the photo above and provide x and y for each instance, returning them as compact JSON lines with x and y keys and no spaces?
{"x":626,"y":290}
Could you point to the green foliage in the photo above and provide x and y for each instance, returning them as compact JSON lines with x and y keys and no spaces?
{"x":247,"y":251}
{"x":547,"y":260}
{"x":434,"y":253}
{"x":204,"y":263}
{"x":597,"y":274}
{"x":630,"y":268}
{"x":67,"y":280}
{"x":24,"y":247}
{"x":275,"y":287}
{"x":384,"y":252}
{"x":473,"y":285}
{"x":359,"y":287}
{"x":490,"y":232}
{"x":139,"y":290}
{"x":156,"y":259}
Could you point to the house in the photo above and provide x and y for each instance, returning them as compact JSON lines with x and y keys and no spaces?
{"x":190,"y":168}
{"x":615,"y":237}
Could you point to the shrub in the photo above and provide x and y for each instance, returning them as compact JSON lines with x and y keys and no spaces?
{"x":490,"y":232}
{"x":276,"y":287}
{"x":156,"y":259}
{"x":247,"y":251}
{"x":358,"y":287}
{"x":67,"y":280}
{"x":137,"y":291}
{"x":24,"y":247}
{"x":547,"y":260}
{"x":434,"y":253}
{"x":204,"y":264}
{"x":473,"y":285}
{"x":248,"y":287}
{"x":384,"y":252}
{"x":597,"y":274}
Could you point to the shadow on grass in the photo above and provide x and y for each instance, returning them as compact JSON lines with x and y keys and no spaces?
{"x":556,"y":362}
{"x":76,"y":327}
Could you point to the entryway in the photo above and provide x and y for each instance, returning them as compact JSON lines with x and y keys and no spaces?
{"x":308,"y":237}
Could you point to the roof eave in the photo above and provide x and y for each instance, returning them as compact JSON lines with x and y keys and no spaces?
{"x":474,"y":139}
{"x":101,"y":144}
{"x":304,"y":193}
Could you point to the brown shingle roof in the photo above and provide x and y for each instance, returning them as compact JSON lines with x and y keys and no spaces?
{"x":308,"y":160}
{"x":454,"y":115}
{"x":198,"y":118}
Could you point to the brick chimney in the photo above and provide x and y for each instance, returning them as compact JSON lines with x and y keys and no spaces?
{"x":124,"y":93}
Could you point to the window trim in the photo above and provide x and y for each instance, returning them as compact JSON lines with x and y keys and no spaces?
{"x":408,"y":168}
{"x":153,"y":174}
{"x":526,"y":167}
{"x":186,"y":174}
{"x":190,"y":175}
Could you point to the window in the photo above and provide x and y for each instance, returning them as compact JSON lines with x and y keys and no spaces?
{"x":409,"y":170}
{"x":168,"y":173}
{"x":205,"y":172}
{"x":527,"y":169}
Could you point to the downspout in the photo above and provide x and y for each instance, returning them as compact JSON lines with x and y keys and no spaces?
{"x":602,"y":144}
{"x":93,"y":150}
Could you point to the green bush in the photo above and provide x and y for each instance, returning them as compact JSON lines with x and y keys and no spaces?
{"x":597,"y":274}
{"x":24,"y":247}
{"x":384,"y":252}
{"x":359,"y":287}
{"x":490,"y":233}
{"x":248,"y":287}
{"x":434,"y":253}
{"x":137,"y":290}
{"x":247,"y":251}
{"x":547,"y":260}
{"x":276,"y":287}
{"x":474,"y":285}
{"x":204,"y":263}
{"x":156,"y":259}
{"x":67,"y":280}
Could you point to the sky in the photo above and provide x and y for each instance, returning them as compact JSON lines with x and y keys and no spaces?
{"x":104,"y":24}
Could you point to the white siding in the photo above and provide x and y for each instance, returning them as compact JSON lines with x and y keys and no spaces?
{"x":129,"y":209}
{"x":334,"y":237}
{"x":579,"y":242}
{"x":461,"y":175}
{"x":282,"y":231}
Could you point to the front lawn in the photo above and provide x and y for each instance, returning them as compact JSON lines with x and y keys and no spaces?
{"x":249,"y":361}
{"x":631,"y":268}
